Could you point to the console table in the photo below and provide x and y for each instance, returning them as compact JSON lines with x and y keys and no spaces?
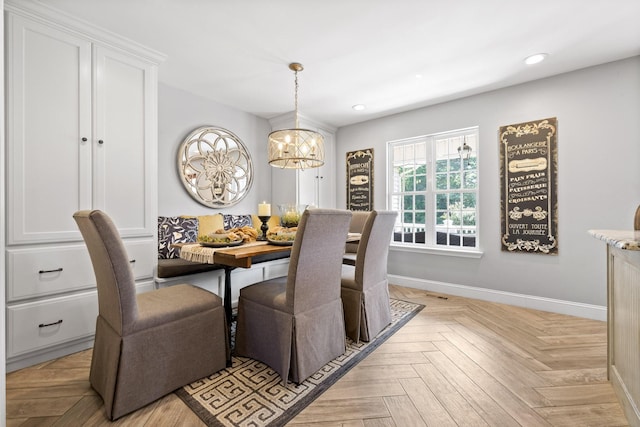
{"x":623,"y":317}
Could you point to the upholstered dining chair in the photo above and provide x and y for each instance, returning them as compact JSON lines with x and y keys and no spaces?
{"x":295,"y":324}
{"x":365,"y":288}
{"x":358,"y":219}
{"x":150,"y":344}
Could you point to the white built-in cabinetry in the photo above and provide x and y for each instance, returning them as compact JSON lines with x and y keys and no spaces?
{"x":314,"y":186}
{"x":81,"y":128}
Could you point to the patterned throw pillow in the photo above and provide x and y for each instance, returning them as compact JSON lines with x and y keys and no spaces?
{"x":173,"y":229}
{"x":233,"y":221}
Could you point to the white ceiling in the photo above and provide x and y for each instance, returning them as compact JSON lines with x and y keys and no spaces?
{"x":237,"y":52}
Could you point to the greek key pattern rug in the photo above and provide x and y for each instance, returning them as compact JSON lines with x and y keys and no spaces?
{"x":251,"y":394}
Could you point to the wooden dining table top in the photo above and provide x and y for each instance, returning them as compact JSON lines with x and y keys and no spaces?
{"x":242,"y":256}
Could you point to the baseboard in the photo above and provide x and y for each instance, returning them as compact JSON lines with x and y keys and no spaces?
{"x":571,"y":308}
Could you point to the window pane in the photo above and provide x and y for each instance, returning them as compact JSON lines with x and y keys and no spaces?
{"x":420,"y":219}
{"x":468,"y":200}
{"x":420,"y":202}
{"x":470,"y":179}
{"x":408,"y":202}
{"x":408,"y":218}
{"x":469,"y":218}
{"x":421,"y":183}
{"x":441,"y":181}
{"x":441,"y":165}
{"x":454,"y":164}
{"x":454,"y":201}
{"x":454,"y":181}
{"x":408,"y":183}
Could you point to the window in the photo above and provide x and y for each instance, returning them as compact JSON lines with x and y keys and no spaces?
{"x":433,"y":185}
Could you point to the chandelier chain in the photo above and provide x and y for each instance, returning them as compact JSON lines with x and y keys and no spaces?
{"x":296,"y":97}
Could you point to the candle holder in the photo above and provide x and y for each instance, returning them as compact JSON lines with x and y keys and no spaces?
{"x":264,"y":227}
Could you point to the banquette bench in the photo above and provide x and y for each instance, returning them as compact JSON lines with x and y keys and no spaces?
{"x":171,"y":269}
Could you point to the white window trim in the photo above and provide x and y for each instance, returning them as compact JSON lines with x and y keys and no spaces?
{"x":463,"y":252}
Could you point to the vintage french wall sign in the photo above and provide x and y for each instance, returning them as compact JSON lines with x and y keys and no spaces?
{"x":360,"y":180}
{"x":528,"y":196}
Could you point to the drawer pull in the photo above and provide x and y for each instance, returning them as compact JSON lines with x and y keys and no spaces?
{"x":57,"y":270}
{"x":132,"y":261}
{"x":44,"y":325}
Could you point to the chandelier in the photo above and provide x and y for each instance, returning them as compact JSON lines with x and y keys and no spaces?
{"x":295,"y":148}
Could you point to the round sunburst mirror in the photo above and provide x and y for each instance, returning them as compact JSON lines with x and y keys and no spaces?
{"x":215,"y":167}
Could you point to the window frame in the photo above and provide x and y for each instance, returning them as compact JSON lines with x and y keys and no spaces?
{"x":430,"y":193}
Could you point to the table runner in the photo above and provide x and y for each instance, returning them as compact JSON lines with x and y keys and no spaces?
{"x":198,"y":253}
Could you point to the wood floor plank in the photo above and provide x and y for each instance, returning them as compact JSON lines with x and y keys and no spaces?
{"x":576,"y":376}
{"x":427,"y":404}
{"x":452,"y":400}
{"x":380,"y":359}
{"x":40,"y":407}
{"x":600,"y":415}
{"x":578,"y":394}
{"x":367,"y":373}
{"x":360,"y":389}
{"x":348,"y":409}
{"x":403,"y":412}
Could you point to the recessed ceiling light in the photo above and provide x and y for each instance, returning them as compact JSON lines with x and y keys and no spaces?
{"x":359,"y":107}
{"x":534,"y":59}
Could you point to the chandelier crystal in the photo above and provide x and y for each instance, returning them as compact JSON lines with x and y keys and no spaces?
{"x":295,"y":148}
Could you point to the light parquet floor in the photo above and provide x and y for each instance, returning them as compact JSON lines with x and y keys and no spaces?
{"x":460,"y":362}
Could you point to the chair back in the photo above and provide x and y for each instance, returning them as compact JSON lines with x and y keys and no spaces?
{"x":114,"y":276}
{"x":358,"y":220}
{"x":373,"y":250}
{"x":315,"y":266}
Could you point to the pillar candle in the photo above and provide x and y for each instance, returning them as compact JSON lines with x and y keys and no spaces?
{"x":264,"y":209}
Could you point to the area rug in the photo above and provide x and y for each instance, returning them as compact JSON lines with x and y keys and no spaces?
{"x":251,"y":394}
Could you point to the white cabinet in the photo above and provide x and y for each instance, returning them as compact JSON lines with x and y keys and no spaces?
{"x":314,"y":186}
{"x":81,"y":129}
{"x":81,"y":134}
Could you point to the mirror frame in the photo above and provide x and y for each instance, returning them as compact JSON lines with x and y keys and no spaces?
{"x":215,"y":167}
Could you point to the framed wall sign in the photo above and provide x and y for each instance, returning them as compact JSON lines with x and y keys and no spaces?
{"x":360,"y":180}
{"x":528,"y":196}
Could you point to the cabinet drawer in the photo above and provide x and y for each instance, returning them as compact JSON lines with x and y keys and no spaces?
{"x":49,"y":270}
{"x":37,"y":325}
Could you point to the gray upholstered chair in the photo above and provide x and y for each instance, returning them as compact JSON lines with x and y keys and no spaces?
{"x":150,"y":344}
{"x":358,"y":219}
{"x":295,"y":324}
{"x":365,"y":288}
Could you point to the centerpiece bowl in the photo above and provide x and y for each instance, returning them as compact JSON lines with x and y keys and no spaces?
{"x":290,"y":214}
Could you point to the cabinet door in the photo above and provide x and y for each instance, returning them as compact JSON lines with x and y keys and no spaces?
{"x":125,"y":156}
{"x":48,"y":115}
{"x":316,"y":186}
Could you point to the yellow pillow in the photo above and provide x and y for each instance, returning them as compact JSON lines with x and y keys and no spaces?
{"x":209,"y":224}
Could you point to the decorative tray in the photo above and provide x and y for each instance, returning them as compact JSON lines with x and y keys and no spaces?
{"x":221,"y":244}
{"x":280,"y":242}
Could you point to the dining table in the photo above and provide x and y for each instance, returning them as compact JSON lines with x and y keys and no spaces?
{"x":241,"y":256}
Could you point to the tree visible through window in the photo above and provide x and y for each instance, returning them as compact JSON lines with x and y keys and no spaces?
{"x":433,"y":185}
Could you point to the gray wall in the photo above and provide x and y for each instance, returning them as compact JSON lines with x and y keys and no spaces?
{"x":179,"y":113}
{"x":598,"y":112}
